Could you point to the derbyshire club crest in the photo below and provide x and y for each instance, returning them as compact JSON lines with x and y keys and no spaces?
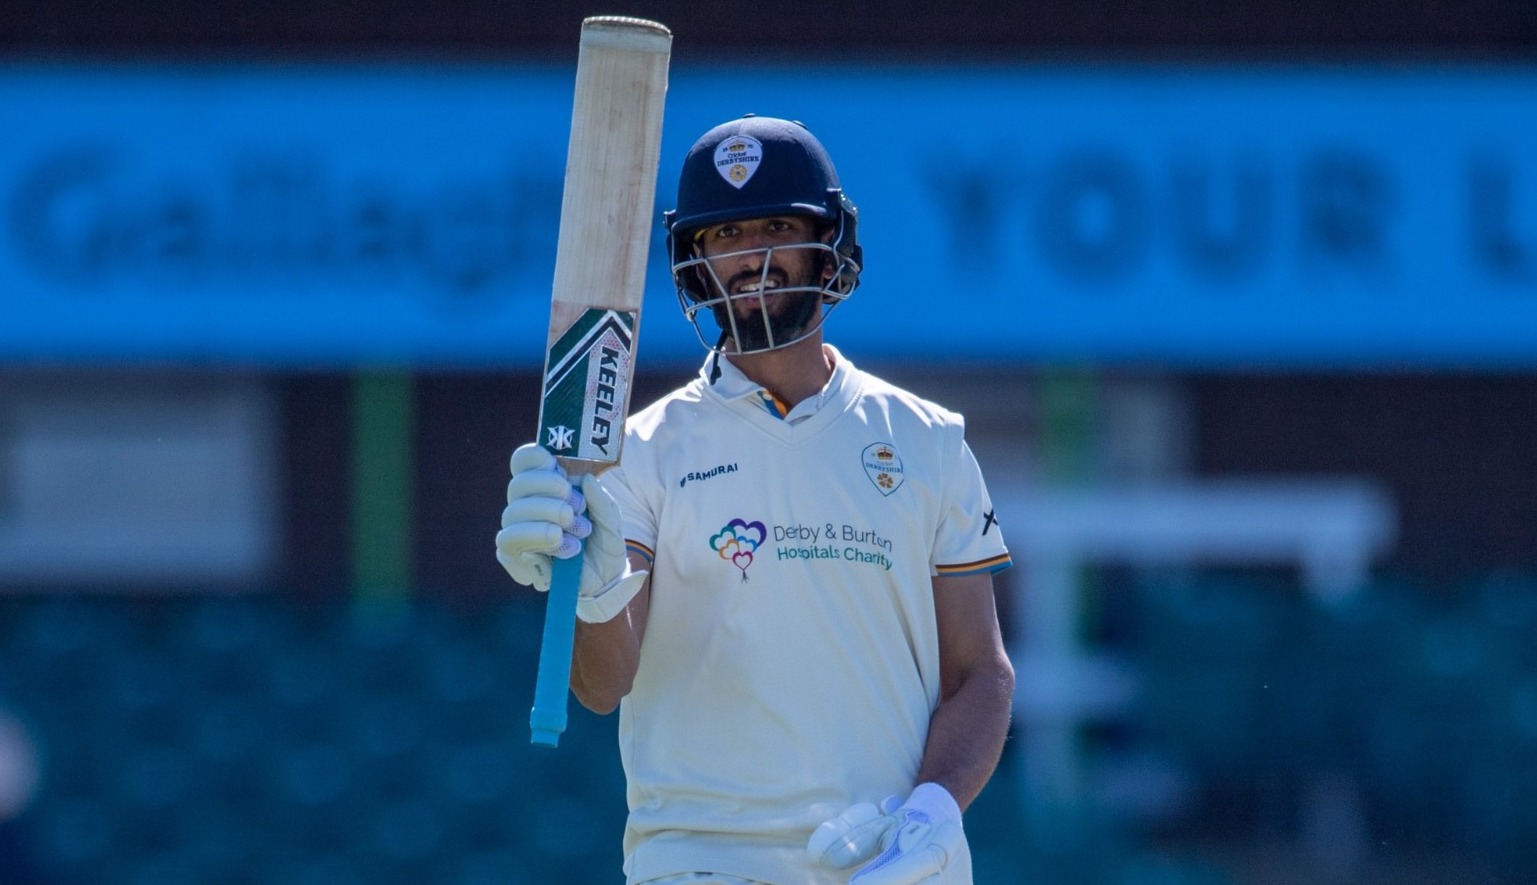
{"x":883,"y":466}
{"x":737,"y":158}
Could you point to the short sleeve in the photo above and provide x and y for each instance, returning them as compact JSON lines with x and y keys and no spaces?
{"x":640,"y":519}
{"x":968,"y":540}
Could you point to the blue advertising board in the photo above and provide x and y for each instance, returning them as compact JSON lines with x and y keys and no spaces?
{"x":293,"y":215}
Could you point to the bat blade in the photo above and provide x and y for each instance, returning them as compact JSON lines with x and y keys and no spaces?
{"x":606,"y":218}
{"x":600,"y":269}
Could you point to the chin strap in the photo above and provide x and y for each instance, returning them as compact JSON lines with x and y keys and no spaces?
{"x":715,"y":359}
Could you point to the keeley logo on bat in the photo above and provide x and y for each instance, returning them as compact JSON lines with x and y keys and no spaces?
{"x":586,"y":384}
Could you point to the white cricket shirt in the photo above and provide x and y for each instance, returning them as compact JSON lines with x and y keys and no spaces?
{"x":791,"y":657}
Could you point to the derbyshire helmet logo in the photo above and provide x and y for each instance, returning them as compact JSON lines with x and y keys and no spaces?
{"x":738,"y":541}
{"x":737,"y":159}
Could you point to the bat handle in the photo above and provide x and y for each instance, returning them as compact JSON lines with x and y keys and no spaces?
{"x":548,"y":718}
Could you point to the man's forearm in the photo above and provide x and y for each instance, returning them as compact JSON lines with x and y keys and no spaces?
{"x":968,"y":730}
{"x":607,"y":655}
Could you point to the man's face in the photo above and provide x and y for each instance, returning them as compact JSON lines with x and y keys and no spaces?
{"x":751,"y":264}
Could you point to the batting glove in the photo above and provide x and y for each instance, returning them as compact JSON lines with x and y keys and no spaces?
{"x":545,"y":517}
{"x":915,"y":838}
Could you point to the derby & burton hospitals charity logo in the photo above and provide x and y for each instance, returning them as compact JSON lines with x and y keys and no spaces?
{"x":738,"y":541}
{"x":883,"y":466}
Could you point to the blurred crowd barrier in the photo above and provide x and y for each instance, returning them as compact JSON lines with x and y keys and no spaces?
{"x":259,"y":739}
{"x":266,"y":738}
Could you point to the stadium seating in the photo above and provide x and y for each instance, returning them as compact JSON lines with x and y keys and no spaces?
{"x":250,"y":740}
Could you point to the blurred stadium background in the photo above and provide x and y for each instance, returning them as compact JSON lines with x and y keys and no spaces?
{"x":1240,"y":300}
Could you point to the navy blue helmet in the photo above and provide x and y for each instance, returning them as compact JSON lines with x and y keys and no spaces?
{"x":759,"y":167}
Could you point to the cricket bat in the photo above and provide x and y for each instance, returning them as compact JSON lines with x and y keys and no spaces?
{"x":606,"y":216}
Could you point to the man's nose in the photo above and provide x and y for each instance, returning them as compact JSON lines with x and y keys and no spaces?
{"x":752,"y":255}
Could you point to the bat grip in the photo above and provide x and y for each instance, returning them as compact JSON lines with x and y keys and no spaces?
{"x":548,"y":718}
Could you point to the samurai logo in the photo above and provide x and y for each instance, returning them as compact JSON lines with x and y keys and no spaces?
{"x":738,"y":541}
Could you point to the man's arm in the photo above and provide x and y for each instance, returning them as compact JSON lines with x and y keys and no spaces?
{"x":607,"y":654}
{"x":968,"y":728}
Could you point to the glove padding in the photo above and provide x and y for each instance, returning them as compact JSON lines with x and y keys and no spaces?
{"x":545,"y":517}
{"x":853,"y":836}
{"x":915,"y":839}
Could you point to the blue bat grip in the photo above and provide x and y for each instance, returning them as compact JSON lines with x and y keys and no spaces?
{"x":548,"y":718}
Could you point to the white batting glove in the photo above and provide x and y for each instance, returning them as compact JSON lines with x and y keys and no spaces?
{"x":915,"y":838}
{"x":853,"y":836}
{"x":545,"y":517}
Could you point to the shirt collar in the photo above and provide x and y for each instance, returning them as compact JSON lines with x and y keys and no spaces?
{"x":727,"y":381}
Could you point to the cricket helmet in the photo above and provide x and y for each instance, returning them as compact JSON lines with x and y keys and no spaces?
{"x":759,"y":167}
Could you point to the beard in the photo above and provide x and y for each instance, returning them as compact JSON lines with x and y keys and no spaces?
{"x":782,"y":319}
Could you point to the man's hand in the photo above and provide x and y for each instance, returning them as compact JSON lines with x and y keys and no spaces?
{"x":853,"y":836}
{"x":545,"y":517}
{"x":915,"y":839}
